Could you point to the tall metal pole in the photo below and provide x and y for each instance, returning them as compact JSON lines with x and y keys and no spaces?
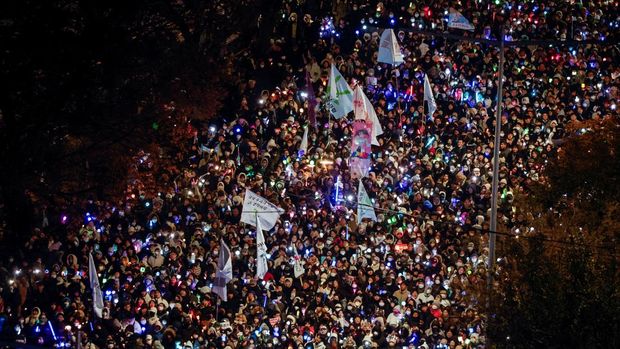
{"x":498,"y":126}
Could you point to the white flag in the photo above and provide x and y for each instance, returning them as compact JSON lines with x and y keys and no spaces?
{"x":261,"y":251}
{"x":365,"y":208}
{"x":303,"y":147}
{"x":365,"y":111}
{"x":94,"y":285}
{"x":428,"y":97}
{"x":340,"y":94}
{"x":224,"y":272}
{"x":267,"y":212}
{"x":298,"y":268}
{"x":458,"y":21}
{"x":389,"y":51}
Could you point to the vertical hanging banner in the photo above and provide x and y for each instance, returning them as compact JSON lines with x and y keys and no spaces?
{"x":361,"y":147}
{"x":364,"y":110}
{"x":303,"y":147}
{"x":261,"y":251}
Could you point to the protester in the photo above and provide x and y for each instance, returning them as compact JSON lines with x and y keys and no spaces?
{"x":405,"y":280}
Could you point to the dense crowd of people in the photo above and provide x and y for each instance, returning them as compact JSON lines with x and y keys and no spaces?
{"x":407,"y":280}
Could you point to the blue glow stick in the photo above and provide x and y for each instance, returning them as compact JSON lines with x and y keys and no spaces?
{"x":52,"y":329}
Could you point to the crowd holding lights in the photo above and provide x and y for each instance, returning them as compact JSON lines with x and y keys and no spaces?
{"x":403,"y":281}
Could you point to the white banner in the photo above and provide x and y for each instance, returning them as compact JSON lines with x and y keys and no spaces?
{"x":364,"y":110}
{"x":303,"y":147}
{"x":261,"y":252}
{"x":458,"y":21}
{"x":365,"y":208}
{"x":429,"y":98}
{"x":224,"y":272}
{"x":94,"y":285}
{"x":389,"y":50}
{"x":254,"y":205}
{"x":298,"y":268}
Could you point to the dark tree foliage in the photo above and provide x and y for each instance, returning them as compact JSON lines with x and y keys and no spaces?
{"x":82,"y":84}
{"x":558,"y":285}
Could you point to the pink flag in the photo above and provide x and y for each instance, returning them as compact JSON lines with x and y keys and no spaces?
{"x":361,"y":148}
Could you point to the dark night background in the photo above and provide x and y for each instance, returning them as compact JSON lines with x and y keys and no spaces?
{"x":83,"y":82}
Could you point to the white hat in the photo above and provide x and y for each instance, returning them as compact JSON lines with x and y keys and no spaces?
{"x":225,"y":324}
{"x":271,"y":144}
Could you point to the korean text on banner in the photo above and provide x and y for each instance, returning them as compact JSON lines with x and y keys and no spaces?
{"x":254,"y":205}
{"x":340,"y":94}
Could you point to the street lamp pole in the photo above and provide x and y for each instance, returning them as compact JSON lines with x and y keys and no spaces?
{"x":498,"y":126}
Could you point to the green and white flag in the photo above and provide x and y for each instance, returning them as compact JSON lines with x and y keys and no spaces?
{"x":340,"y":94}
